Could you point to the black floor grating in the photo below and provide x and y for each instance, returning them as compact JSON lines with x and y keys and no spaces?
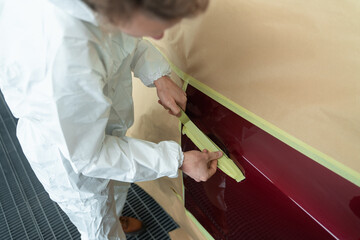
{"x":26,"y":211}
{"x":137,"y":206}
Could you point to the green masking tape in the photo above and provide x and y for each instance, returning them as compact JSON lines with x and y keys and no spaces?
{"x":205,"y":233}
{"x":203,"y":142}
{"x":314,"y":154}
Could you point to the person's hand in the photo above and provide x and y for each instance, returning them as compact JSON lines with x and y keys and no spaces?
{"x":200,"y":166}
{"x":171,"y":96}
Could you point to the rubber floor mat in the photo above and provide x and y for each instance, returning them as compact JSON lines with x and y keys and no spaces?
{"x":27,"y":212}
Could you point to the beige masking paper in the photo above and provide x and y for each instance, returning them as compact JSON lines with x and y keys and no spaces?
{"x":293,"y":63}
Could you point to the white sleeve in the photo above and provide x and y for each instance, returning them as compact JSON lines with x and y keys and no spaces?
{"x":79,"y":112}
{"x":148,"y":64}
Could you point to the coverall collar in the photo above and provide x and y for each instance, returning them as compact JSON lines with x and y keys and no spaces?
{"x":77,"y":9}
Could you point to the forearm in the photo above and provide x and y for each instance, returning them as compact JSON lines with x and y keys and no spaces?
{"x":132,"y":160}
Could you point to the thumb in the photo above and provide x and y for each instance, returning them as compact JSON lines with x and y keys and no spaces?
{"x":175,"y":109}
{"x":181,"y":104}
{"x":214,"y":155}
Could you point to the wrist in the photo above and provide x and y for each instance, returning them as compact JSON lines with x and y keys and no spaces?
{"x":181,"y":163}
{"x":158,"y":82}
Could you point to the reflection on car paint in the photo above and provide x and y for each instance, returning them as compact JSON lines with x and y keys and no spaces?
{"x":285,"y":194}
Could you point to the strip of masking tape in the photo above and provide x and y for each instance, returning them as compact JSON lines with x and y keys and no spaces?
{"x":177,"y":195}
{"x":205,"y":233}
{"x":203,"y":142}
{"x":314,"y":154}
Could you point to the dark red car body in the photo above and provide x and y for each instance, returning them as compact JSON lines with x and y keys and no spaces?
{"x":285,"y":195}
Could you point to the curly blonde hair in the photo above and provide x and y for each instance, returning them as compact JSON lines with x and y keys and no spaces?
{"x":116,"y":10}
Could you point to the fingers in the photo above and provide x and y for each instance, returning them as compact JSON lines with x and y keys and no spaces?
{"x":175,"y":109}
{"x":171,"y":95}
{"x":172,"y":107}
{"x":212,"y":168}
{"x":181,"y":101}
{"x":210,"y":171}
{"x":179,"y":96}
{"x":211,"y":164}
{"x":199,"y":166}
{"x":214,"y":155}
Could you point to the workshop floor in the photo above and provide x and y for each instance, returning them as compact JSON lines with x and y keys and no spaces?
{"x":26,"y":211}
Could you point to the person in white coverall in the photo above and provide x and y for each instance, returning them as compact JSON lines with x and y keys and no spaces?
{"x":69,"y":82}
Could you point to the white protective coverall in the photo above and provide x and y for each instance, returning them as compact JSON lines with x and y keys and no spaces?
{"x":70,"y":85}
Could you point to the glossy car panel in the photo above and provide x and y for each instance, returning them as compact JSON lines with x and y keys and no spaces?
{"x":285,"y":195}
